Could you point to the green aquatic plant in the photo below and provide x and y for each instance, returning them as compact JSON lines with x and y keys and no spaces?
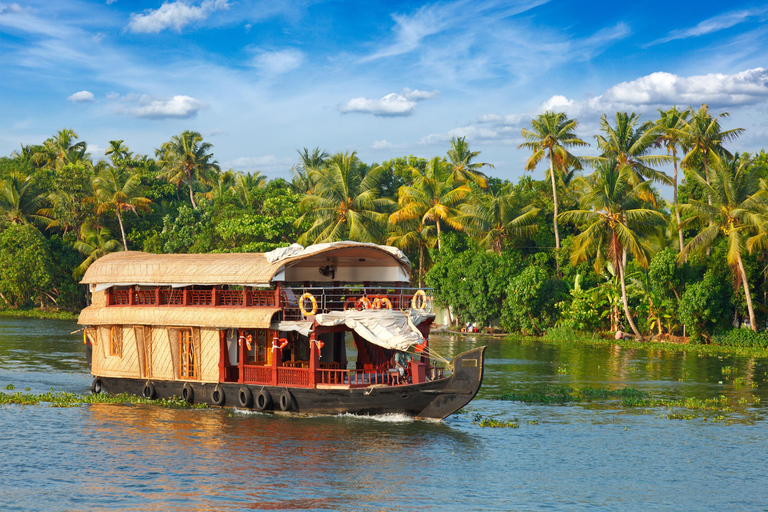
{"x":66,"y":399}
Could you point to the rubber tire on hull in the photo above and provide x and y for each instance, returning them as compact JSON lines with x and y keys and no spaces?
{"x":286,"y":401}
{"x":263,"y":400}
{"x":245,"y":397}
{"x":97,"y":386}
{"x":187,"y":393}
{"x":217,"y":396}
{"x":149,"y":391}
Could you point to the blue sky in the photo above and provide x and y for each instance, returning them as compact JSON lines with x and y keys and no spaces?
{"x":262,"y":79}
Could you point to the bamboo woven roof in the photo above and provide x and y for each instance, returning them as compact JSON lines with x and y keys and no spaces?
{"x":188,"y":316}
{"x":134,"y":267}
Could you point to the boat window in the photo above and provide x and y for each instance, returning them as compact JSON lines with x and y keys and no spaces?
{"x":116,"y":341}
{"x":260,"y":346}
{"x":187,"y":352}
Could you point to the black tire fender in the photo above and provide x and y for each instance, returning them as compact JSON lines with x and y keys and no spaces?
{"x":97,"y":386}
{"x":187,"y":393}
{"x":149,"y":391}
{"x":217,"y":396}
{"x":263,"y":400}
{"x":286,"y":401}
{"x":245,"y":397}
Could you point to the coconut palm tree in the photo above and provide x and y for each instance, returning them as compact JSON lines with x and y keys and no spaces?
{"x":94,"y":243}
{"x":616,"y":220}
{"x":61,"y":149}
{"x":413,"y":235}
{"x":630,"y":144}
{"x":118,"y":189}
{"x":434,"y":197}
{"x":551,"y":134}
{"x":704,"y":138}
{"x":310,"y":161}
{"x":670,"y":123}
{"x":493,"y":218}
{"x":19,"y":200}
{"x":345,"y":203}
{"x":187,"y":159}
{"x":463,"y":166}
{"x":736,"y":211}
{"x":245,"y":185}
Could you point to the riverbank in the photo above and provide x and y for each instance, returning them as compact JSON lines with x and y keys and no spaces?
{"x":595,"y":339}
{"x":49,"y":314}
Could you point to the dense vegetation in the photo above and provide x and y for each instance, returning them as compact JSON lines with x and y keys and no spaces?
{"x":591,"y":246}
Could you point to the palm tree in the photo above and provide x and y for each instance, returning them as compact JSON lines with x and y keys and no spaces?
{"x":345,"y":203}
{"x":735,"y":212}
{"x":613,"y":209}
{"x":463,"y":167}
{"x":413,"y":234}
{"x":434,"y":197}
{"x":186,"y":159}
{"x":61,"y":149}
{"x":310,"y":161}
{"x":118,"y":189}
{"x":493,"y":218}
{"x":93,"y":243}
{"x":551,"y":134}
{"x":19,"y":201}
{"x":670,"y":123}
{"x":246,"y":184}
{"x":703,"y":137}
{"x":629,"y":145}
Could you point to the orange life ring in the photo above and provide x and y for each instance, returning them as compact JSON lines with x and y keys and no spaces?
{"x":419,"y":300}
{"x":312,"y":299}
{"x":365,"y":302}
{"x":378,"y":303}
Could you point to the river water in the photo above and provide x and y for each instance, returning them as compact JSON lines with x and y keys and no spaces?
{"x":573,"y":456}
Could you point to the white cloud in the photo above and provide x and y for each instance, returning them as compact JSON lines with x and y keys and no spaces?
{"x":382,"y":144}
{"x":501,"y":133}
{"x":110,"y":2}
{"x":81,"y":97}
{"x":113,"y":95}
{"x":715,"y":24}
{"x":11,"y":9}
{"x":278,"y":62}
{"x":180,"y":107}
{"x":175,"y":15}
{"x":391,"y":105}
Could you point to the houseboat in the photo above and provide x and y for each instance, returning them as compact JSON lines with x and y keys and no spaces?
{"x":268,"y":332}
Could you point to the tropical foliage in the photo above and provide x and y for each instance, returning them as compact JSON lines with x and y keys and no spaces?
{"x":592,"y":244}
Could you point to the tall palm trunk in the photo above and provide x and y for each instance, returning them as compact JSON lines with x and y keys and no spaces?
{"x":624,"y":296}
{"x":191,"y":194}
{"x":421,"y":262}
{"x":554,"y":200}
{"x":122,"y":229}
{"x":674,"y":200}
{"x":747,"y":294}
{"x":439,"y":242}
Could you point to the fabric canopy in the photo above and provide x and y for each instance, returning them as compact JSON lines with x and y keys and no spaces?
{"x":387,"y":328}
{"x":297,"y":250}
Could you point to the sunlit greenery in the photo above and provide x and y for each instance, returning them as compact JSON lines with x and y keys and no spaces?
{"x":585,"y":249}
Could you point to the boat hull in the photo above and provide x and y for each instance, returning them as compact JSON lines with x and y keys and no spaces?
{"x":430,"y":400}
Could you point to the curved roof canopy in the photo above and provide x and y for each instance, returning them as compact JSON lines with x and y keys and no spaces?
{"x":251,"y":269}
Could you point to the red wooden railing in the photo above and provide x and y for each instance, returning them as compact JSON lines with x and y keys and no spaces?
{"x":230,"y":297}
{"x":200,"y":297}
{"x":264,"y":298}
{"x":292,"y":376}
{"x":120,"y":297}
{"x":173,"y":297}
{"x":257,"y":374}
{"x":145,"y":297}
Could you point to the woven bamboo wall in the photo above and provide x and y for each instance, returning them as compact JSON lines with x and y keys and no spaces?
{"x":162,"y":365}
{"x":209,"y":358}
{"x":125,"y":365}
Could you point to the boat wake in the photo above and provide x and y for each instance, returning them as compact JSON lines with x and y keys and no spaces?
{"x":383,"y":418}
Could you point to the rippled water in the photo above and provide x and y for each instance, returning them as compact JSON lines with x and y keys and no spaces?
{"x":562,"y":457}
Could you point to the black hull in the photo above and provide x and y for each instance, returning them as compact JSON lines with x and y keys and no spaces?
{"x":430,"y":400}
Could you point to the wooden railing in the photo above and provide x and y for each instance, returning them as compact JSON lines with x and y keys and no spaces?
{"x":257,"y":374}
{"x":120,"y":297}
{"x":292,"y":376}
{"x":229,"y":297}
{"x":200,"y":297}
{"x":159,"y":296}
{"x":174,"y":297}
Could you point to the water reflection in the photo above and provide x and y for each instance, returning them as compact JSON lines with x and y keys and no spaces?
{"x":571,"y":457}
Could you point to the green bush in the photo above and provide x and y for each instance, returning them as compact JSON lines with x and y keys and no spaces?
{"x":741,"y":338}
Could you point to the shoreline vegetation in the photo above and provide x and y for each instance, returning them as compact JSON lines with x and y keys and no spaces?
{"x":584,"y":244}
{"x":46,"y":314}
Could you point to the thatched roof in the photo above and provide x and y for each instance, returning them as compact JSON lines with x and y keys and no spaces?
{"x":133,"y":267}
{"x":189,"y":316}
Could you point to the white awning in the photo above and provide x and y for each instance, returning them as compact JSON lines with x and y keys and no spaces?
{"x":387,"y":328}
